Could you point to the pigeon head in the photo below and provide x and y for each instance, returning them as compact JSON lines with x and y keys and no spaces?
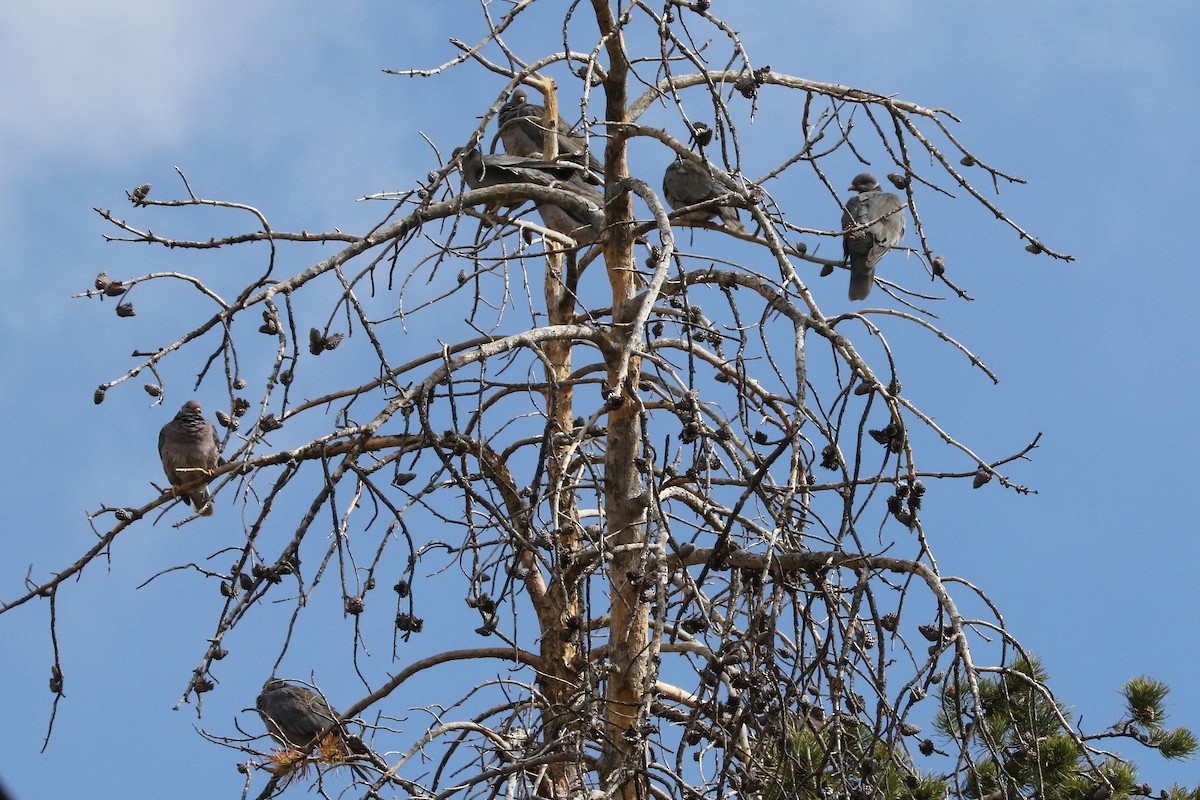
{"x":519,"y":98}
{"x":273,"y":684}
{"x":190,"y":407}
{"x":864,"y":182}
{"x":469,"y":160}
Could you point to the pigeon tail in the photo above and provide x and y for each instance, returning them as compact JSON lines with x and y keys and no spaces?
{"x":729,"y":219}
{"x":201,"y":500}
{"x":862,"y":278}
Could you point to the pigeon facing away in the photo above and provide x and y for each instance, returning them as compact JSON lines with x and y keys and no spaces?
{"x":864,"y":247}
{"x":523,"y":133}
{"x":296,"y":715}
{"x":583,"y":223}
{"x":189,"y":450}
{"x":686,"y":183}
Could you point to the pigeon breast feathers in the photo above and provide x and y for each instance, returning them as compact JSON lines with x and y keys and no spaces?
{"x":189,"y":449}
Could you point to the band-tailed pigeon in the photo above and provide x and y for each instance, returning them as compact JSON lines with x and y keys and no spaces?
{"x":480,"y":171}
{"x":523,"y":133}
{"x":686,"y":183}
{"x":583,"y":221}
{"x":864,"y":247}
{"x":296,"y":715}
{"x":189,"y":449}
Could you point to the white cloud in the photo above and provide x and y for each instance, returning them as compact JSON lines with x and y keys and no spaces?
{"x":93,"y":79}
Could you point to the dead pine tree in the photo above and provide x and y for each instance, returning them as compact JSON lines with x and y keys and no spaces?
{"x":658,"y":520}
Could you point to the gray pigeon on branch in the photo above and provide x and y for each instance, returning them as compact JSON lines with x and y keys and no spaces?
{"x":523,"y":132}
{"x":481,"y":171}
{"x":686,"y":183}
{"x":189,"y":450}
{"x":882,"y":215}
{"x":583,"y":221}
{"x":294,"y":715}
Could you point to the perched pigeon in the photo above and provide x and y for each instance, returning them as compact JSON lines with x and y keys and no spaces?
{"x":295,"y":715}
{"x":864,"y":247}
{"x":523,"y":133}
{"x":686,"y":183}
{"x":582,"y":223}
{"x":189,"y":450}
{"x":480,"y":171}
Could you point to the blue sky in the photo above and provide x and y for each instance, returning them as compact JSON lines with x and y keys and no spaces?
{"x":286,"y":107}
